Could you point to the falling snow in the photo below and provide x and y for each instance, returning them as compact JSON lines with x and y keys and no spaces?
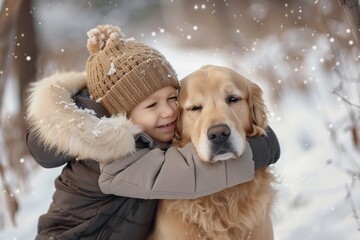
{"x":314,"y":183}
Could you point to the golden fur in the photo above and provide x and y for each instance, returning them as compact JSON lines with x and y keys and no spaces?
{"x":218,"y":96}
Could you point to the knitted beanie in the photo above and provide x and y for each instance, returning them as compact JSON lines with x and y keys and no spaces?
{"x":121,"y":73}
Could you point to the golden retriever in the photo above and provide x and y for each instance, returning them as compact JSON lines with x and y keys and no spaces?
{"x":219,"y":109}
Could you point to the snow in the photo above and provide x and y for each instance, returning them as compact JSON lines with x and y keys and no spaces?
{"x":314,"y":181}
{"x":34,"y":201}
{"x":112,"y":69}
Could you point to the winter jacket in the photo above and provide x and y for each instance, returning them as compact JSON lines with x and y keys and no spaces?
{"x":64,"y":129}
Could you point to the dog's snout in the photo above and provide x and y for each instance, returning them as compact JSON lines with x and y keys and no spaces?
{"x":218,"y":133}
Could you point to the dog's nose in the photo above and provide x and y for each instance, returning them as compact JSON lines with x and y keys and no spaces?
{"x":218,"y":133}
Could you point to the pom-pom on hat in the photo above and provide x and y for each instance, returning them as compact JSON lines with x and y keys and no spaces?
{"x":122,"y":73}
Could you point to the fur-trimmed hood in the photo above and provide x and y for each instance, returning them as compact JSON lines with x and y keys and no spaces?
{"x":59,"y":123}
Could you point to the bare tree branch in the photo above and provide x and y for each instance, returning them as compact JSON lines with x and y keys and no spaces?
{"x":353,"y":207}
{"x":345,"y":100}
{"x":8,"y":16}
{"x":352,"y":10}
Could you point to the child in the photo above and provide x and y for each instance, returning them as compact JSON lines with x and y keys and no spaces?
{"x":126,"y":78}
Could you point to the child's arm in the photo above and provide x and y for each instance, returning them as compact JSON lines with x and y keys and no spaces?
{"x":45,"y":157}
{"x":172,"y":174}
{"x":266,"y":149}
{"x":179,"y":174}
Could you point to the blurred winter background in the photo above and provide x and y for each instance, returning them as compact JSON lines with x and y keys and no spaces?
{"x":304,"y":54}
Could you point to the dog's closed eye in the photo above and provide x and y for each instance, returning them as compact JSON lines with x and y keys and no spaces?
{"x":194,"y":108}
{"x":233,"y":99}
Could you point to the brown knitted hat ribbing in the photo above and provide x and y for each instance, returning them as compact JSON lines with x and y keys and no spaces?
{"x":122,"y":73}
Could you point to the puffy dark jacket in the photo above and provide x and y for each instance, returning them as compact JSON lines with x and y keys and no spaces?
{"x":82,"y":211}
{"x":79,"y":209}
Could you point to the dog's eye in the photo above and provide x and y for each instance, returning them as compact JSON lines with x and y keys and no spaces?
{"x":233,"y":99}
{"x":195,"y":108}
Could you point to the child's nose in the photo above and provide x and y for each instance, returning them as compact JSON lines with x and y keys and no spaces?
{"x":168,"y":111}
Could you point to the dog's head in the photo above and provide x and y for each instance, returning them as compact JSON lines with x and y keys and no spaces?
{"x":219,"y":108}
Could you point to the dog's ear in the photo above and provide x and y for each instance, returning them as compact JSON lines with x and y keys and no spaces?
{"x":258,"y":110}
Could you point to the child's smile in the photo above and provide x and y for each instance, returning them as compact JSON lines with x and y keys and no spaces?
{"x":168,"y":127}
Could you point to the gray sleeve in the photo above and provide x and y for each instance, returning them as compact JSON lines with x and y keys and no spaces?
{"x":173,"y":174}
{"x":45,"y":157}
{"x":266,"y":149}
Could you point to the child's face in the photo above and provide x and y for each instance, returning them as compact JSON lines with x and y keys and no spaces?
{"x":157,"y":115}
